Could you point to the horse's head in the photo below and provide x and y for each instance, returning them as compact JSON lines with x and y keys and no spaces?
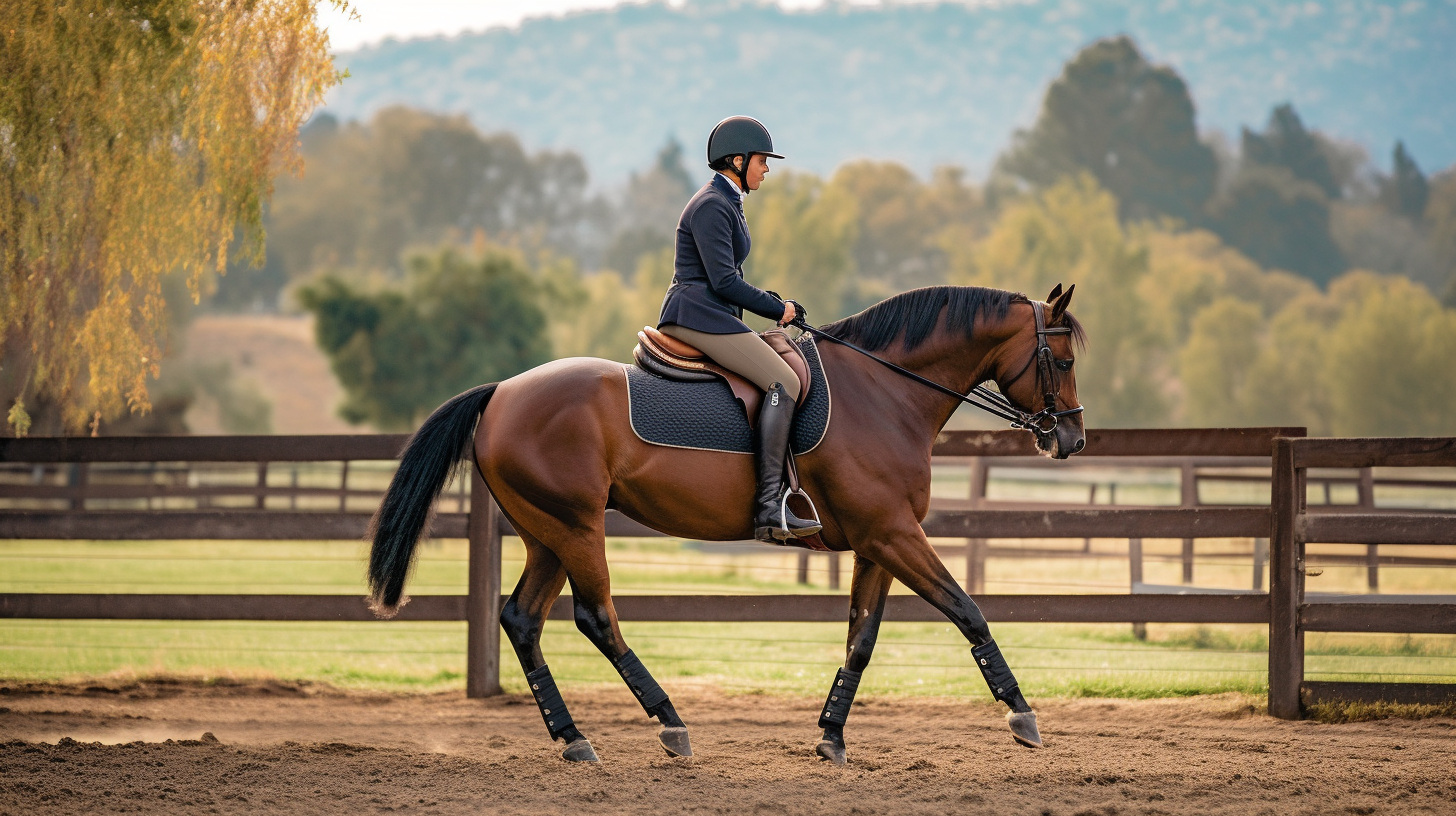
{"x":1034,"y":371}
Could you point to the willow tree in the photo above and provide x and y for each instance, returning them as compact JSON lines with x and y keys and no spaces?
{"x":138,"y":140}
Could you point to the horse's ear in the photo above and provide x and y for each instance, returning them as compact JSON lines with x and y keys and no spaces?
{"x":1062,"y":301}
{"x":1056,"y":293}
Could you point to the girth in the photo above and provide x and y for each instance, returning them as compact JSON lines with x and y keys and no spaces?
{"x":672,"y":359}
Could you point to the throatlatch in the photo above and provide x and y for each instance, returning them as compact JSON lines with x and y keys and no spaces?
{"x":841,"y":696}
{"x":649,"y":694}
{"x":998,"y":675}
{"x":549,"y":702}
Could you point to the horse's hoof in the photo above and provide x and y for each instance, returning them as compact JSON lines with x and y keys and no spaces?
{"x":580,"y":751}
{"x":675,"y":742}
{"x":1023,"y":728}
{"x":830,"y":751}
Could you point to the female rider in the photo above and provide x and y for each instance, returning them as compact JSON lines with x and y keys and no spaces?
{"x":704,"y":308}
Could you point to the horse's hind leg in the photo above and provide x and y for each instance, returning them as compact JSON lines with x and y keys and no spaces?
{"x":866,"y":608}
{"x":523,"y":617}
{"x":910,"y":559}
{"x":596,"y":617}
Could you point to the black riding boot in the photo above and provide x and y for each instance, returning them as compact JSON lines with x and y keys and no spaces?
{"x":772,"y":520}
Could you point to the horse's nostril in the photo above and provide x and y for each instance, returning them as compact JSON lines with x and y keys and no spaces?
{"x":1081,"y":443}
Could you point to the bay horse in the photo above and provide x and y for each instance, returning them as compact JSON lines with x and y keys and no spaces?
{"x":555,"y":447}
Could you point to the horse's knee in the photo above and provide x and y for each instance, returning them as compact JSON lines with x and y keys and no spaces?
{"x":595,"y":624}
{"x":522,"y":628}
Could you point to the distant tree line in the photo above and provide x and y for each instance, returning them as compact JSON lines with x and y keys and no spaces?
{"x":1280,"y":281}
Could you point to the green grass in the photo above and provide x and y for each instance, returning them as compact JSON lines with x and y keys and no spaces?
{"x":930,"y":659}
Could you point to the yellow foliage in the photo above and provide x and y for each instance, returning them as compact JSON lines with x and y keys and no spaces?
{"x":138,"y":139}
{"x":802,"y":232}
{"x":1070,"y":234}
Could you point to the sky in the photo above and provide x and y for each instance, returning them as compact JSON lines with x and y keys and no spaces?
{"x":402,"y":19}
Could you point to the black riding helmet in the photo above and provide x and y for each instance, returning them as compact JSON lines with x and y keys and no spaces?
{"x":738,"y":136}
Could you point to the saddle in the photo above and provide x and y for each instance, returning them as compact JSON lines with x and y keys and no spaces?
{"x":672,"y":359}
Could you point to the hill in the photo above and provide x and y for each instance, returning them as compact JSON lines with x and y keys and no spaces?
{"x":921,"y":84}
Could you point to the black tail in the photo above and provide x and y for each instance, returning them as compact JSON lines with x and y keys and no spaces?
{"x":425,"y":468}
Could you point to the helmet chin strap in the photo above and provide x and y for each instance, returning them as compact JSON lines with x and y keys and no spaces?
{"x":742,"y":173}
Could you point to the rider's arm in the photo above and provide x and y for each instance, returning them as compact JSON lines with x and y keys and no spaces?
{"x":713,"y":234}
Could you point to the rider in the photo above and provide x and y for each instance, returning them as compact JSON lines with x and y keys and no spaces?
{"x":704,"y":307}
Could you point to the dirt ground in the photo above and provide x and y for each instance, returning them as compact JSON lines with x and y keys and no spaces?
{"x":280,"y":748}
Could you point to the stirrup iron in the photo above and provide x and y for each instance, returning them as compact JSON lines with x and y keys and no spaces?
{"x":784,"y":516}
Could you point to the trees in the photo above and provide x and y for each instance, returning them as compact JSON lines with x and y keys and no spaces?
{"x":137,"y":139}
{"x":1276,"y":210}
{"x":1128,"y":123}
{"x":1070,"y":234}
{"x":400,"y":353}
{"x":1407,"y":191}
{"x":410,"y":179}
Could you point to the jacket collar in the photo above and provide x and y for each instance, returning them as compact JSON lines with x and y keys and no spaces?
{"x":728,"y":188}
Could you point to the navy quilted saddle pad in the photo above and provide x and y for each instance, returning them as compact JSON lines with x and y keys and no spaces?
{"x":705,"y":416}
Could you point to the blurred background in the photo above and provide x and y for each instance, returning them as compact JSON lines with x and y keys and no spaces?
{"x":1256,"y":202}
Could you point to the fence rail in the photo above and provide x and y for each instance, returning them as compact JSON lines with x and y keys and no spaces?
{"x":1285,"y":523}
{"x":1291,"y":612}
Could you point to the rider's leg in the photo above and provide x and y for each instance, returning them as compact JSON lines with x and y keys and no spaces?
{"x":523,"y":617}
{"x":867,"y":595}
{"x":747,"y":355}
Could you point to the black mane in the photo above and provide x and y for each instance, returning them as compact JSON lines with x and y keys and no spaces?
{"x":917,"y":311}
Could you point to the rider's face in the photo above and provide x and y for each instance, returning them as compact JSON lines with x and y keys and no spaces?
{"x":757,"y":169}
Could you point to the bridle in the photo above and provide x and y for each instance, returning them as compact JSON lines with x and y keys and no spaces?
{"x":1042,"y":423}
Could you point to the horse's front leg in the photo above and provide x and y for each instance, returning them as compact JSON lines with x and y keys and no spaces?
{"x":866,"y":607}
{"x":908,"y":556}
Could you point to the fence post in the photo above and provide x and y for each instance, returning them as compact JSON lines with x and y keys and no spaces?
{"x":976,"y":547}
{"x":1286,"y":583}
{"x":1188,"y":487}
{"x":482,"y":604}
{"x":1135,"y":577}
{"x":1366,"y":489}
{"x":834,"y":570}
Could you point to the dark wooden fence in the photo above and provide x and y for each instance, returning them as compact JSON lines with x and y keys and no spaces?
{"x":256,"y":506}
{"x":1291,"y":613}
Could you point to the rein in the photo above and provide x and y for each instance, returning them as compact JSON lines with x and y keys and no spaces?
{"x":1041,"y":423}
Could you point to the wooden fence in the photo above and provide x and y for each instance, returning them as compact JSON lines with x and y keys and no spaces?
{"x":1291,"y":613}
{"x":261,"y":508}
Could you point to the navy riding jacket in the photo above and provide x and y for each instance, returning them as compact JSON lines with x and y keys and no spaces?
{"x":708,"y":292}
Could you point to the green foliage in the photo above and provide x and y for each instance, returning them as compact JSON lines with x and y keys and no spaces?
{"x":1285,"y":143}
{"x":138,"y":139}
{"x":410,"y":179}
{"x":460,"y":323}
{"x":803,"y":233}
{"x":1071,"y":234}
{"x":1279,"y":220}
{"x":1128,"y":123}
{"x":1407,"y":191}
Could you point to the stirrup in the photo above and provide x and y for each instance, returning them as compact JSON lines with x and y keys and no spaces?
{"x":781,"y":534}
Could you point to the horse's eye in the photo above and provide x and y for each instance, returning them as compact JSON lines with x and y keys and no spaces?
{"x":1064,"y":365}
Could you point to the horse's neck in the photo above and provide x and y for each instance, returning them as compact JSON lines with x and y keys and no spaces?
{"x":947,"y":358}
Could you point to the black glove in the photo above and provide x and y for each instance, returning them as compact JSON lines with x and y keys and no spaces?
{"x":801,"y":315}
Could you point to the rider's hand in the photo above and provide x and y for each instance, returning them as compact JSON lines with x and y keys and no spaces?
{"x":789,"y":313}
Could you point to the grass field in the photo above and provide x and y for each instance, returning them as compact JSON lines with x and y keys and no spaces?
{"x":1074,"y":660}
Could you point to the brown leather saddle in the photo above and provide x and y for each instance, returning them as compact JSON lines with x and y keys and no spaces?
{"x":672,"y":359}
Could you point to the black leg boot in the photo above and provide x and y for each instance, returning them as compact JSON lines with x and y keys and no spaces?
{"x":773,"y":522}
